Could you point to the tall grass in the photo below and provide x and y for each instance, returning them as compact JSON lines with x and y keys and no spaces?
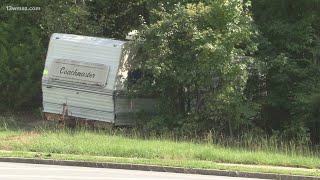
{"x":267,"y":143}
{"x":247,"y":141}
{"x":131,"y":143}
{"x":8,"y":123}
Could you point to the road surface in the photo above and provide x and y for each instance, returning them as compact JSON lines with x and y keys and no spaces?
{"x":20,"y":171}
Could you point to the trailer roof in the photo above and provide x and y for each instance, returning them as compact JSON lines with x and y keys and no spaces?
{"x":88,"y":39}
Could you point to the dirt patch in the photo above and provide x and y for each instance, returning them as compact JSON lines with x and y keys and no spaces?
{"x":22,"y":138}
{"x":9,"y":142}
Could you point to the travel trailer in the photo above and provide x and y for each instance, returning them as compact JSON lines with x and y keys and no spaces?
{"x":84,"y":78}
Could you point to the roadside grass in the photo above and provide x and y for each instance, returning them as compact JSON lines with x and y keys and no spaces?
{"x":8,"y":130}
{"x":5,"y":143}
{"x":8,"y":133}
{"x":83,"y":142}
{"x":128,"y":146}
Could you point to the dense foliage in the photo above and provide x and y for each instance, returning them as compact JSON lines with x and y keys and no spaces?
{"x":194,"y":53}
{"x":21,"y":57}
{"x":289,"y":54}
{"x":230,"y":66}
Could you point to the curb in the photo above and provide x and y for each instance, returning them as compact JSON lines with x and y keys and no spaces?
{"x":157,"y":168}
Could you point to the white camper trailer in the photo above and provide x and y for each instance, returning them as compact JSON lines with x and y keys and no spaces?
{"x":86,"y":74}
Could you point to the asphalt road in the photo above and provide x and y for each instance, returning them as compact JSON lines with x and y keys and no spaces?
{"x":20,"y":171}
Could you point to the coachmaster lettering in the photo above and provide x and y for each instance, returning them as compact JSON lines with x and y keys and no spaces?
{"x":79,"y":72}
{"x":63,"y":70}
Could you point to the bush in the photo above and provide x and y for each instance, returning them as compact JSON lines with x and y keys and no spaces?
{"x":21,"y":59}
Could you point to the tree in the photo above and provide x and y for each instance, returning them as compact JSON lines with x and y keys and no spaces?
{"x":289,"y":57}
{"x":68,"y":16}
{"x":21,"y":56}
{"x":183,"y":53}
{"x":117,"y":18}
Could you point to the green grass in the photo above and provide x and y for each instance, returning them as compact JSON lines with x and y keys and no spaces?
{"x":102,"y":144}
{"x":8,"y":133}
{"x":128,"y":147}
